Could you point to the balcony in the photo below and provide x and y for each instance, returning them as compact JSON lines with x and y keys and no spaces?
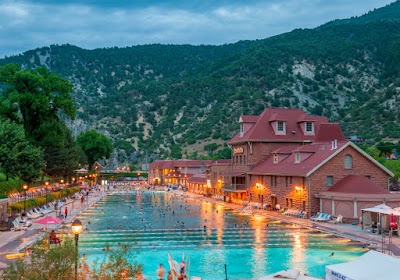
{"x":234,"y":187}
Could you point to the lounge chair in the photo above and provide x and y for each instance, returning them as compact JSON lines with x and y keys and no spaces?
{"x":338,"y":220}
{"x":17,"y":226}
{"x":324,"y":218}
{"x":320,"y":217}
{"x":22,"y":222}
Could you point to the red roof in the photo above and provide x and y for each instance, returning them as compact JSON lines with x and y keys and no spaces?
{"x":310,"y":157}
{"x":357,"y":184}
{"x":262,"y":130}
{"x":249,"y":119}
{"x":198,"y":178}
{"x":328,"y":132}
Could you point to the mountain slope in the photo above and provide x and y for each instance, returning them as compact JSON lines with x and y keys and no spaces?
{"x":164,"y":97}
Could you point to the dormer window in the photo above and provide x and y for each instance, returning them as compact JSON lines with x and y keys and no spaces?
{"x":296,"y":157}
{"x":276,"y":158}
{"x":309,"y":127}
{"x":280,"y":127}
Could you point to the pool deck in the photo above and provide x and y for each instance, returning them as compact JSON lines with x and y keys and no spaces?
{"x":15,"y":242}
{"x":373,"y":241}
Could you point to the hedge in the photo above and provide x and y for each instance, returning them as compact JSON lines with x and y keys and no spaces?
{"x":41,"y":200}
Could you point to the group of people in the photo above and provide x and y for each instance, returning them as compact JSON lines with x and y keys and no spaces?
{"x":180,"y":275}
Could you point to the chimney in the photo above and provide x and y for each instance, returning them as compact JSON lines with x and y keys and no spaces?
{"x":335,"y":144}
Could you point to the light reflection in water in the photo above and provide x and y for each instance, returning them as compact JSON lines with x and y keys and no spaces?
{"x":298,"y":256}
{"x":242,"y":241}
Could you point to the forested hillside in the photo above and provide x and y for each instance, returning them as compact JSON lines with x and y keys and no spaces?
{"x":182,"y":101}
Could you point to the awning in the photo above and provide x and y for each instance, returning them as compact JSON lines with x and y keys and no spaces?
{"x":234,"y":174}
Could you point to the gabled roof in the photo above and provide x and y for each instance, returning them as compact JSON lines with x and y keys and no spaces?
{"x":314,"y":156}
{"x":262,"y":130}
{"x":357,"y":184}
{"x":310,"y":156}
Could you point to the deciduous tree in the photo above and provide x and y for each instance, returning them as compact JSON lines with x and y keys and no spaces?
{"x":17,"y":156}
{"x":95,"y":146}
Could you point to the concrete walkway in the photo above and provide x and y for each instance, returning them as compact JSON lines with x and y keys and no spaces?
{"x":15,"y":242}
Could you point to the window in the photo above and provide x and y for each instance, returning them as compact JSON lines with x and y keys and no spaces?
{"x":244,"y":159}
{"x":348,"y":162}
{"x":281,"y":126}
{"x":273,"y":181}
{"x":291,"y":203}
{"x":329,"y":181}
{"x":240,"y":160}
{"x":309,"y":127}
{"x":287,"y":202}
{"x":297,"y":157}
{"x":290,"y":180}
{"x":276,"y":158}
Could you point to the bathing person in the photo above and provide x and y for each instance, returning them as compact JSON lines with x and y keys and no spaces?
{"x":160,"y":272}
{"x":332,"y":254}
{"x":183,"y":267}
{"x":169,"y":276}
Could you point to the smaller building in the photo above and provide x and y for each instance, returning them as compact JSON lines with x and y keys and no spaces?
{"x":353,"y":193}
{"x":175,"y":172}
{"x":198,"y":184}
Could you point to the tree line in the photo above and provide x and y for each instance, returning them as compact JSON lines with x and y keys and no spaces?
{"x":35,"y":140}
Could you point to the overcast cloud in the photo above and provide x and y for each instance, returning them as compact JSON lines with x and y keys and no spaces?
{"x":90,"y":24}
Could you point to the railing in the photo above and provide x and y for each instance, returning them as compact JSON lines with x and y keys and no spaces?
{"x":234,"y":187}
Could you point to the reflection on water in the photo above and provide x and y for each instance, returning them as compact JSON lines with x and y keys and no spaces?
{"x":152,"y":224}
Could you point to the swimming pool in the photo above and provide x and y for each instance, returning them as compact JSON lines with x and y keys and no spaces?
{"x":155,"y":223}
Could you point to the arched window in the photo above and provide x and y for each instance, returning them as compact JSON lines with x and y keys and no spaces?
{"x":348,"y":162}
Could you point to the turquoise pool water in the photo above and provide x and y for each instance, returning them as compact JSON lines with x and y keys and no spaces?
{"x":154,"y":223}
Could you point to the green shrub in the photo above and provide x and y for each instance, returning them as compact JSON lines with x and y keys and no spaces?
{"x":41,"y":200}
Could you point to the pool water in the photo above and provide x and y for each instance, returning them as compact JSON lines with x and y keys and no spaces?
{"x":212,"y":236}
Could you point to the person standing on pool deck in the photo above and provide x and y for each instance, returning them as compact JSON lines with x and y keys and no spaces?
{"x":160,"y":272}
{"x":66,"y":212}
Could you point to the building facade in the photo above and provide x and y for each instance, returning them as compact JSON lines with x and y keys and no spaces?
{"x":177,"y":172}
{"x":287,"y":157}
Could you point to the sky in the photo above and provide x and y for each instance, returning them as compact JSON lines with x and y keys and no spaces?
{"x":90,"y":24}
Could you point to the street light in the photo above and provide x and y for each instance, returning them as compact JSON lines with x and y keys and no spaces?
{"x":47,"y":185}
{"x":25,"y":187}
{"x":76,"y":229}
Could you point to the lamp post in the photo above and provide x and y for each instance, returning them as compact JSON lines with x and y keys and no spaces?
{"x":25,"y":187}
{"x":76,"y":230}
{"x":47,"y":185}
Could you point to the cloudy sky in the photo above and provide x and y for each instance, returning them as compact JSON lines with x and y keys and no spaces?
{"x":28,"y":24}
